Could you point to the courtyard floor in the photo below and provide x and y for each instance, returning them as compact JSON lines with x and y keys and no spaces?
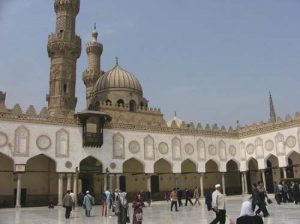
{"x":158,"y":213}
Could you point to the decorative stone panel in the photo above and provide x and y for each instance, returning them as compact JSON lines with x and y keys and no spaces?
{"x":269,"y":145}
{"x":149,"y":147}
{"x":62,"y":143}
{"x":259,"y":148}
{"x":163,"y":148}
{"x":291,"y":141}
{"x":280,"y":146}
{"x":43,"y":142}
{"x":242,"y":151}
{"x":201,"y":150}
{"x":118,"y":146}
{"x":222,"y":150}
{"x":250,"y":149}
{"x":212,"y":150}
{"x":134,"y":147}
{"x":189,"y":149}
{"x":176,"y":148}
{"x":22,"y":141}
{"x":232,"y":150}
{"x":3,"y":139}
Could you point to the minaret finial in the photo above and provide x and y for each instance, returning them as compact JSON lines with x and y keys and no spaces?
{"x":95,"y":26}
{"x":94,"y":34}
{"x":175,"y":114}
{"x":272,"y":109}
{"x":117,"y":60}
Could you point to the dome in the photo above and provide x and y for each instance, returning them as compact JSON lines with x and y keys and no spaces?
{"x":118,"y":78}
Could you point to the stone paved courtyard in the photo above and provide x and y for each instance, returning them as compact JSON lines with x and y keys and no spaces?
{"x":158,"y":213}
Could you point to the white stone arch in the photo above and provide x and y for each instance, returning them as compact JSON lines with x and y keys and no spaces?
{"x":9,"y":158}
{"x":62,"y":143}
{"x":163,"y":160}
{"x":238,"y":164}
{"x":222,"y":150}
{"x":22,"y":141}
{"x":279,"y":142}
{"x":248,"y":161}
{"x":176,"y":149}
{"x":91,"y":156}
{"x":214,"y":161}
{"x":269,"y":156}
{"x":189,"y":161}
{"x":40,"y":156}
{"x":201,"y":151}
{"x":43,"y":154}
{"x":149,"y":147}
{"x":118,"y":146}
{"x":259,"y":148}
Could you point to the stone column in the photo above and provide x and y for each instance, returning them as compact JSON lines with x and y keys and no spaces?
{"x":105,"y":182}
{"x":149,"y":182}
{"x":223,"y":183}
{"x":19,"y":187}
{"x":60,"y":189}
{"x":118,"y":180}
{"x":201,"y":185}
{"x":264,"y":178}
{"x":284,"y":172}
{"x":110,"y":177}
{"x":69,"y":179}
{"x":75,"y":187}
{"x":243,"y":184}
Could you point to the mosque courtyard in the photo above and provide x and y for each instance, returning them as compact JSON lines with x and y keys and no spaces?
{"x":158,"y":213}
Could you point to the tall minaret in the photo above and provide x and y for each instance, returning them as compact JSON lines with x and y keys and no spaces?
{"x":64,"y":48}
{"x":272,"y":109}
{"x":93,"y":71}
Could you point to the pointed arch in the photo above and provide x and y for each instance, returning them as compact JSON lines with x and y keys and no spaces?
{"x":40,"y":161}
{"x":91,"y":164}
{"x":252,"y":163}
{"x":62,"y":143}
{"x":273,"y":159}
{"x":188,"y":166}
{"x":133,"y":165}
{"x":162,"y":166}
{"x":6,"y":163}
{"x":22,"y":141}
{"x":280,"y":144}
{"x":233,"y":178}
{"x":232,"y":165}
{"x":212,"y":166}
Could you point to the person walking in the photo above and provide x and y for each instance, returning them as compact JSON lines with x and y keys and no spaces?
{"x":218,"y":204}
{"x":173,"y":197}
{"x":208,"y":199}
{"x":196,"y":196}
{"x":188,"y":197}
{"x":179,"y":196}
{"x":261,"y":200}
{"x":104,"y":204}
{"x":137,"y":205}
{"x":73,"y":199}
{"x":88,"y":202}
{"x":277,"y":193}
{"x":67,"y":203}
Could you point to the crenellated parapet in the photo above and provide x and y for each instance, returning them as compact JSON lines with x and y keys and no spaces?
{"x":67,"y":5}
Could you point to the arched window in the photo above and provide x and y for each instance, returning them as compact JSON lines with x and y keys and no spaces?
{"x":132,"y":106}
{"x":65,"y":88}
{"x":108,"y":102}
{"x":120,"y":103}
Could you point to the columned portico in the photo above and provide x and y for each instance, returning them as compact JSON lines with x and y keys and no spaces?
{"x":75,"y":178}
{"x":19,"y":186}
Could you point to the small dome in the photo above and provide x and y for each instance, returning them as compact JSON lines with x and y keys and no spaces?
{"x":118,"y":78}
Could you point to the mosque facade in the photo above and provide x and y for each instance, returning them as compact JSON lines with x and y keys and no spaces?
{"x":119,"y":141}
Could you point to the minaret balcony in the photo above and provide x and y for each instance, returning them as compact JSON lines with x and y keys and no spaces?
{"x":57,"y":43}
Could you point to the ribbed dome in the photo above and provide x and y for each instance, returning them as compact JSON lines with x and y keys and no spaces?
{"x":118,"y":77}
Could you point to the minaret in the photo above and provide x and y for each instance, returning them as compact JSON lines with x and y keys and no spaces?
{"x":93,"y":71}
{"x":64,"y":48}
{"x":272,"y":109}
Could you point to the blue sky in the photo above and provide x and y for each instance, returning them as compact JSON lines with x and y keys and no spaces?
{"x":210,"y":61}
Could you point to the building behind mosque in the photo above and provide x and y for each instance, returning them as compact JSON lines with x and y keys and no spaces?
{"x":119,"y":141}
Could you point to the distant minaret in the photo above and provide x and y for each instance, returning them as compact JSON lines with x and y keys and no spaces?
{"x":64,"y":48}
{"x":93,"y":71}
{"x":272,"y":109}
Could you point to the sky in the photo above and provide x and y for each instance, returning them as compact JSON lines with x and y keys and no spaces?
{"x":208,"y":61}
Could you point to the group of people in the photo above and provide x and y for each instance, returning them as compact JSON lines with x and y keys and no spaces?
{"x":177,"y":195}
{"x":287,"y":192}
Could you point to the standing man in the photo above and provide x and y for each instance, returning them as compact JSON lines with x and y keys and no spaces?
{"x":88,"y":202}
{"x":218,"y":204}
{"x":173,"y":197}
{"x":67,"y":203}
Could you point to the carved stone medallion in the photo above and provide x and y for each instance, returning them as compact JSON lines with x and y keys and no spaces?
{"x":68,"y":164}
{"x":134,"y":147}
{"x":112,"y":165}
{"x":163,"y":148}
{"x":269,"y":145}
{"x":212,"y":150}
{"x":189,"y":149}
{"x":43,"y":142}
{"x":250,"y":149}
{"x":3,"y":139}
{"x":232,"y":150}
{"x":291,"y":141}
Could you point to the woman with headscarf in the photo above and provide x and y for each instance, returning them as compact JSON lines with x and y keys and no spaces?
{"x":247,"y":215}
{"x":137,"y":205}
{"x":123,"y":208}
